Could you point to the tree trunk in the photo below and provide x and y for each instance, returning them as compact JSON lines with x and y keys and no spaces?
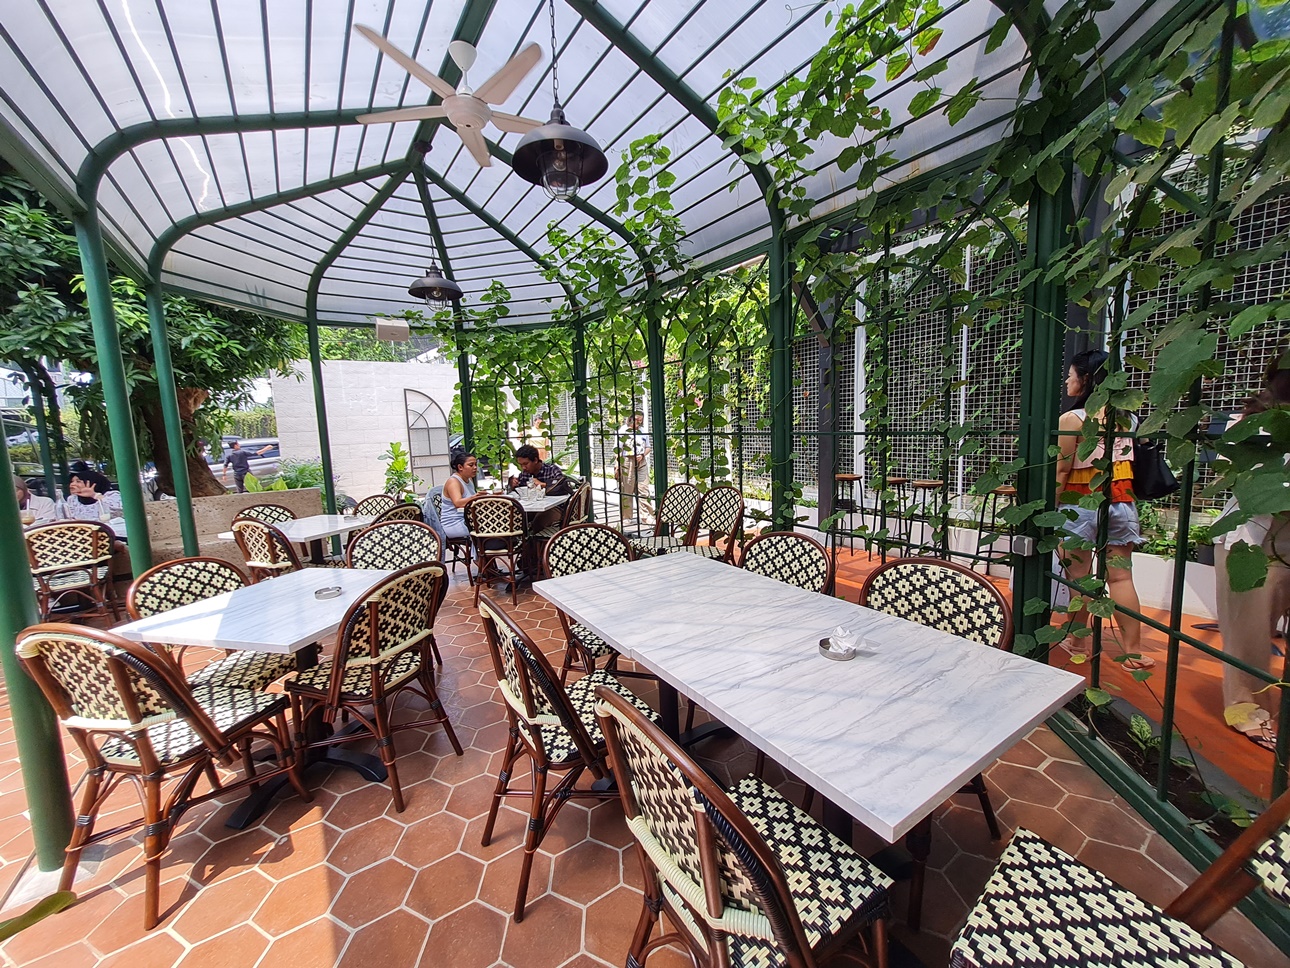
{"x":200,"y":478}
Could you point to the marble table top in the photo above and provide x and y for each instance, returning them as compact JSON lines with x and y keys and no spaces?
{"x":543,"y":503}
{"x":318,"y":526}
{"x":888,"y":736}
{"x":279,"y":615}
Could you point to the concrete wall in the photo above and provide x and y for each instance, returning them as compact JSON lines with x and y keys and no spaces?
{"x":366,"y":410}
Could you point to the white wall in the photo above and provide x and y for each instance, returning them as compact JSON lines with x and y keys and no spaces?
{"x":365,"y":412}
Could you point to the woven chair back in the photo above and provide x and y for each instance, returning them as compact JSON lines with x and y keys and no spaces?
{"x":578,"y":509}
{"x":68,"y":544}
{"x":374,"y":504}
{"x":721,"y":511}
{"x":709,"y":860}
{"x":795,"y":559}
{"x":182,"y":581}
{"x":941,"y":595}
{"x":265,"y":548}
{"x":494,"y":516}
{"x":585,"y":547}
{"x":394,"y":545}
{"x":400,"y":512}
{"x":268,"y":513}
{"x":393,"y":617}
{"x":677,"y":510}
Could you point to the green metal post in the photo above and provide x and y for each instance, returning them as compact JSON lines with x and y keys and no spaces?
{"x":170,"y":413}
{"x":780,"y":323}
{"x":463,"y":378}
{"x":320,"y":408}
{"x":116,"y":395}
{"x":581,"y":410}
{"x":657,"y":405}
{"x":40,"y":753}
{"x":1041,"y":360}
{"x":42,"y":428}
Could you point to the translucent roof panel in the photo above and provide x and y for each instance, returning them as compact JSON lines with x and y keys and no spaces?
{"x":227,"y":129}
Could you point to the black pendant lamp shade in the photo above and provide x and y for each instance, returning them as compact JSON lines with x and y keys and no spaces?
{"x":559,"y":157}
{"x":435,"y":288}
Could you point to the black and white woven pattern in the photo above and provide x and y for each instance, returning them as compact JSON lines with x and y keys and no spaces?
{"x":591,"y":643}
{"x":182,"y":582}
{"x":494,"y":516}
{"x":653,"y":545}
{"x":677,"y":509}
{"x":68,"y":544}
{"x":83,"y":667}
{"x":400,"y":512}
{"x":960,"y":603}
{"x":1271,"y":864}
{"x":374,"y":505}
{"x":829,"y":881}
{"x":1044,"y":909}
{"x":394,"y":545}
{"x":176,"y":740}
{"x":265,"y":548}
{"x":557,"y":742}
{"x":62,"y":581}
{"x":721,"y":511}
{"x":716,"y":552}
{"x":791,"y":558}
{"x":586,"y":548}
{"x":244,"y":670}
{"x":356,"y":680}
{"x":268,"y":513}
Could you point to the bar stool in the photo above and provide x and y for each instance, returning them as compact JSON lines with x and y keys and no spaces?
{"x":925,"y":506}
{"x":898,"y":529}
{"x":989,"y":523}
{"x":845,"y":505}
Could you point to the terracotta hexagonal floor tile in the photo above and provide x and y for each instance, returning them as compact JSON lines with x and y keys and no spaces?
{"x":609,"y":826}
{"x":445,"y":886}
{"x":1133,"y":870}
{"x":124,"y":926}
{"x":471,"y":798}
{"x":298,"y":900}
{"x":395,"y":939}
{"x":502,"y":879}
{"x":1024,"y":754}
{"x":158,"y":950}
{"x":508,"y":832}
{"x":373,"y":892}
{"x":231,"y":856}
{"x":610,"y":922}
{"x":241,"y":946}
{"x":1052,"y":744}
{"x":570,"y":828}
{"x":454,"y":769}
{"x":358,"y":806}
{"x":1046,"y":822}
{"x":1077,"y":778}
{"x":298,"y":850}
{"x":315,"y":945}
{"x":470,"y":937}
{"x":1023,"y":783}
{"x":961,"y":822}
{"x":1105,"y":821}
{"x":421,"y":800}
{"x":586,"y":871}
{"x":58,"y":931}
{"x":549,"y":935}
{"x":431,"y":839}
{"x":291,"y":812}
{"x":365,"y":844}
{"x":222,"y":906}
{"x":78,"y":955}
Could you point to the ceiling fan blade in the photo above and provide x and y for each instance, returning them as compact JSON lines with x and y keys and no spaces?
{"x":473,"y":139}
{"x":432,"y":81}
{"x":403,"y":114}
{"x":502,"y":85}
{"x":514,"y":123}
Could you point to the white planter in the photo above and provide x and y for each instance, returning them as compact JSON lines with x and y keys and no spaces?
{"x":1153,"y":577}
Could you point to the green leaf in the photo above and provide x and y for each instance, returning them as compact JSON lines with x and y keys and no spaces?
{"x":897,"y":64}
{"x":1178,"y":365}
{"x":1050,"y":175}
{"x":1247,"y":567}
{"x":1247,"y":319}
{"x":1097,"y":697}
{"x":1214,"y":130}
{"x":998,"y":34}
{"x":932,"y":69}
{"x":924,"y":101}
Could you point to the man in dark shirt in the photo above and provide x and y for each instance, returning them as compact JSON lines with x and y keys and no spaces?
{"x":240,"y":461}
{"x":533,"y":468}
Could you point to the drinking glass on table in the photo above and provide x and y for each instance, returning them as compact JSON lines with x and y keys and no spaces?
{"x":27,"y":516}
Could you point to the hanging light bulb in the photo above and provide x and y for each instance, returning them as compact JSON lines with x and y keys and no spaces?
{"x":435,"y":288}
{"x":558,"y":156}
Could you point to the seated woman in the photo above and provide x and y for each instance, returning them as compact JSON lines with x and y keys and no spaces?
{"x":90,"y":494}
{"x":457,"y":490}
{"x":41,"y":509}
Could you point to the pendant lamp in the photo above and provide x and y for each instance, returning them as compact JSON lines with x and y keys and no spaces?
{"x":558,"y":156}
{"x":435,"y":288}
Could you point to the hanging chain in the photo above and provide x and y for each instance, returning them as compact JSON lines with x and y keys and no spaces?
{"x":555,"y":77}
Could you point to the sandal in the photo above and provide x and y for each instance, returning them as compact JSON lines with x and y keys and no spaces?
{"x":1075,"y":648}
{"x":1135,"y":662}
{"x":1265,"y":736}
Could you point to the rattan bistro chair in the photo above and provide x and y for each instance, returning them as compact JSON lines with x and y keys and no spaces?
{"x":458,"y":548}
{"x":795,"y":559}
{"x":268,"y":513}
{"x":672,"y":525}
{"x":720,"y":519}
{"x":554,"y":728}
{"x":400,"y":512}
{"x":746,"y":878}
{"x":579,"y":548}
{"x":180,"y":582}
{"x":1042,"y":907}
{"x":394,"y":545}
{"x":374,"y":505}
{"x":266,"y":550}
{"x":575,"y":511}
{"x":71,"y":558}
{"x":381,"y":653}
{"x":496,"y":526}
{"x":135,"y":719}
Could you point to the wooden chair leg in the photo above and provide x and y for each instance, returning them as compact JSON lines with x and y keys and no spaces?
{"x":436,"y":707}
{"x":296,"y":775}
{"x":644,"y":928}
{"x":977,"y":785}
{"x":879,"y":938}
{"x":385,"y":746}
{"x":434,"y":648}
{"x":156,"y":836}
{"x":503,"y":783}
{"x":533,"y":834}
{"x":83,"y":830}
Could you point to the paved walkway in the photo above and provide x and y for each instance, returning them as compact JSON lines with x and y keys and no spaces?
{"x":347,"y":881}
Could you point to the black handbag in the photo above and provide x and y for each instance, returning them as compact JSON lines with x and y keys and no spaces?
{"x":1152,"y":478}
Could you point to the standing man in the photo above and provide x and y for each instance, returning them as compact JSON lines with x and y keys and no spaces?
{"x":632,"y":473}
{"x":240,"y":461}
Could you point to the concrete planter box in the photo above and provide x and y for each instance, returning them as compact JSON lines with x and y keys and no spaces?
{"x":1153,"y":577}
{"x":214,"y":515}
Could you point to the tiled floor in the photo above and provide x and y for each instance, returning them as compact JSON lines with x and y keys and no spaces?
{"x":345,"y":880}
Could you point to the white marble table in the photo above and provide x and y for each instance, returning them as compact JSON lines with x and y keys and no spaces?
{"x":280,"y":615}
{"x":543,"y":503}
{"x":319,"y":526}
{"x":887,"y":736}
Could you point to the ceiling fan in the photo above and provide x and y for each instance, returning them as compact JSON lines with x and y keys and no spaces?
{"x":465,"y":109}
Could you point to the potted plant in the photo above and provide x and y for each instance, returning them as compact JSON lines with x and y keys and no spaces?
{"x":400,"y":482}
{"x":1201,"y":537}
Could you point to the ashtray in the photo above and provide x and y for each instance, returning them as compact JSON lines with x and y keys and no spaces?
{"x":331,"y":591}
{"x":828,"y":653}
